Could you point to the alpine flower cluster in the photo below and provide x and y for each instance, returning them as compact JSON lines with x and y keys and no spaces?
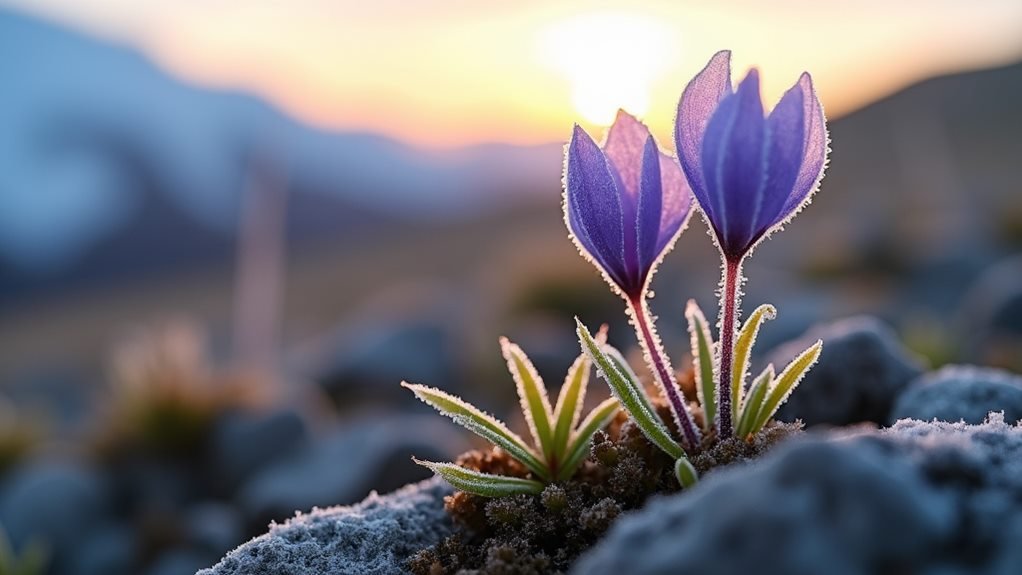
{"x":749,"y":173}
{"x":626,"y":202}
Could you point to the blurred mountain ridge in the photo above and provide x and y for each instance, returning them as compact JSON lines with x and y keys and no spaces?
{"x":108,"y":163}
{"x":111,"y":168}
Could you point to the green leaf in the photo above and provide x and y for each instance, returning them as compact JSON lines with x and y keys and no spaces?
{"x":685,"y":472}
{"x":482,"y":424}
{"x":576,"y":453}
{"x":571,"y":398}
{"x":569,"y":403}
{"x":743,"y":349}
{"x":786,"y":383}
{"x":533,"y":397}
{"x":754,"y":402}
{"x":627,"y":390}
{"x":702,"y":357}
{"x":484,"y":484}
{"x":622,"y":366}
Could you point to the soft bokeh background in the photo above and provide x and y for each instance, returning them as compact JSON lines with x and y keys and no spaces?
{"x":228,"y":229}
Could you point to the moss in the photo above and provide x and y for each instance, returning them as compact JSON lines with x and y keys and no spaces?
{"x":546,"y":533}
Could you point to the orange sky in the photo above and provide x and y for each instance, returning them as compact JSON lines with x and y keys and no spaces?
{"x":453,"y":72}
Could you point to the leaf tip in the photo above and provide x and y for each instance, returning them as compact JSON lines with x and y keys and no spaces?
{"x":685,"y":472}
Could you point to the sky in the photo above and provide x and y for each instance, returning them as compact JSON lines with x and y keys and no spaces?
{"x":445,"y":73}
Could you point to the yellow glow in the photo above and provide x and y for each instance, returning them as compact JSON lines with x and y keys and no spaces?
{"x":610,"y":59}
{"x":452,"y":72}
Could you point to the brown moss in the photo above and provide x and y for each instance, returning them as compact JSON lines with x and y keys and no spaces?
{"x":545,"y":533}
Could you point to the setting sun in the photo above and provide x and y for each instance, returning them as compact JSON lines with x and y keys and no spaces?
{"x":610,"y":59}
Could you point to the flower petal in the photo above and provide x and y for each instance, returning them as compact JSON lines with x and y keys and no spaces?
{"x":676,"y":202}
{"x":698,"y":101}
{"x":650,"y":204}
{"x":786,"y":147}
{"x":594,"y":210}
{"x":815,"y":158}
{"x":624,"y":150}
{"x":626,"y":142}
{"x":734,"y":156}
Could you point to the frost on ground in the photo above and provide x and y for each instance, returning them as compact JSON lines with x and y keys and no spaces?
{"x":915,"y":498}
{"x":961,"y":392}
{"x":374,"y":537}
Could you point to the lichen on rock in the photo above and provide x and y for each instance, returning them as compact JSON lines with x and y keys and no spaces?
{"x":374,"y":537}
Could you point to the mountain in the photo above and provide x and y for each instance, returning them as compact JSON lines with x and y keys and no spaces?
{"x":108,"y":165}
{"x":111,"y":169}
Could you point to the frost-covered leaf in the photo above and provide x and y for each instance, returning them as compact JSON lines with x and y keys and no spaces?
{"x":685,"y":472}
{"x":786,"y":382}
{"x":571,"y":398}
{"x":480,"y":423}
{"x":484,"y":484}
{"x":702,"y":357}
{"x":628,"y":391}
{"x":754,"y":402}
{"x":743,"y":349}
{"x":569,"y":403}
{"x":577,"y":450}
{"x":532,"y":395}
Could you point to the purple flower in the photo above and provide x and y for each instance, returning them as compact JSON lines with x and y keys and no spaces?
{"x":750,"y":173}
{"x":625,"y":203}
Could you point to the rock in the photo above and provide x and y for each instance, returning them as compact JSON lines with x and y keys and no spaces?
{"x":862,"y":369}
{"x":920,"y":497}
{"x":991,"y":314}
{"x":153,"y":485}
{"x":178,"y":562}
{"x":105,"y":550}
{"x":374,"y":537}
{"x":961,"y":393}
{"x":373,"y":453}
{"x":213,"y":527}
{"x":245,"y":442}
{"x":916,"y":498}
{"x":54,"y":503}
{"x":366,"y":366}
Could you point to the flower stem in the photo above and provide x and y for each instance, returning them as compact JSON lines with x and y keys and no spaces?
{"x":728,"y":306}
{"x":662,"y":370}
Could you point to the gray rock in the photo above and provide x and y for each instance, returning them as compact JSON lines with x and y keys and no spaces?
{"x":246,"y":442}
{"x":53,"y":503}
{"x":178,"y":562}
{"x":861,"y":371}
{"x":105,"y":550}
{"x":364,"y":364}
{"x":961,"y":393}
{"x":991,"y":313}
{"x":213,"y":527}
{"x":374,"y":537}
{"x":374,"y":453}
{"x":916,"y":498}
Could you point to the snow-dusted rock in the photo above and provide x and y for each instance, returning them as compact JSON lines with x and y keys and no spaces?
{"x":915,"y":498}
{"x":961,"y":393}
{"x":374,"y":537}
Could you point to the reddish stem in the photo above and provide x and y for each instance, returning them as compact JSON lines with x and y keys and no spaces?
{"x":663,"y":373}
{"x":728,"y":304}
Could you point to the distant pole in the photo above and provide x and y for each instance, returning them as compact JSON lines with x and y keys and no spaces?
{"x":260,"y":269}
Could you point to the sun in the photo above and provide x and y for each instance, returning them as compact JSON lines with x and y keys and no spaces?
{"x":610,"y":59}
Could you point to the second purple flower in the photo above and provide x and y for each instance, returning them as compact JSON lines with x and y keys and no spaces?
{"x":625,"y":203}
